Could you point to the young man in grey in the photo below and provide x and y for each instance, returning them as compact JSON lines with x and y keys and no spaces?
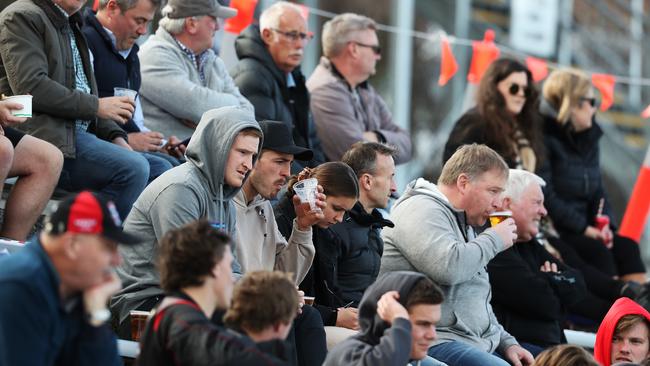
{"x":433,"y":235}
{"x":219,"y":157}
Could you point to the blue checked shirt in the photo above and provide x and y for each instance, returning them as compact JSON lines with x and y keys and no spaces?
{"x":81,"y":81}
{"x":198,"y":60}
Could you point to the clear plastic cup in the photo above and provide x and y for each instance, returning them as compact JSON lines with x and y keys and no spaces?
{"x":138,"y":323}
{"x":497,"y":217}
{"x":26,"y":101}
{"x":307,"y":190}
{"x":121,"y":92}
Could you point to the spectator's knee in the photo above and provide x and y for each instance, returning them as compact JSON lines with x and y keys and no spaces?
{"x":6,"y":153}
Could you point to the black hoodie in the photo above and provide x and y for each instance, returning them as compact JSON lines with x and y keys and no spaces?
{"x":378,"y":343}
{"x":265,"y":86}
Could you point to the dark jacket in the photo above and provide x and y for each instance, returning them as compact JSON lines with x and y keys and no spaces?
{"x":37,"y":59}
{"x":531,"y":304}
{"x":37,"y":327}
{"x":181,"y":334}
{"x":265,"y":86}
{"x":378,"y":343}
{"x":111,"y":69}
{"x":574,"y":184}
{"x":360,"y":247}
{"x":321,"y":280}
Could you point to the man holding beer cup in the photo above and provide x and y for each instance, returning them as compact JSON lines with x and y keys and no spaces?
{"x":434,"y":235}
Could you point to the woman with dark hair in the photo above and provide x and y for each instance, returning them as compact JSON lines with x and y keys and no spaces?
{"x":574,"y":192}
{"x":505,"y":117}
{"x":341,"y":188}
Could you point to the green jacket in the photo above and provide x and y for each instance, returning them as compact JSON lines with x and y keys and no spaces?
{"x":37,"y":60}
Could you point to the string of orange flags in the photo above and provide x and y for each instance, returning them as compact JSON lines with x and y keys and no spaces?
{"x":484,"y":52}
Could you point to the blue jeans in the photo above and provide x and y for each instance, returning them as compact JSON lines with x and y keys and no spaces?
{"x":159,"y":163}
{"x":427,"y":361}
{"x":463,"y":354}
{"x":110,"y":170}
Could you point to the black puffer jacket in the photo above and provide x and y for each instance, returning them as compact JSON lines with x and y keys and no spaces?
{"x":529,"y":303}
{"x":265,"y":86}
{"x":574,"y":184}
{"x":360,"y":248}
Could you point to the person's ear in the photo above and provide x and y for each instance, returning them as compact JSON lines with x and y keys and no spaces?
{"x":70,"y":243}
{"x":462,"y":182}
{"x":267,"y":36}
{"x":366,"y":181}
{"x":191,"y":25}
{"x":506,"y":203}
{"x":112,"y":8}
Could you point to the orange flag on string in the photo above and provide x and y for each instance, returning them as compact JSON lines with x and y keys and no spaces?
{"x":95,"y":6}
{"x":638,"y":206}
{"x":605,"y":84}
{"x":244,"y":17}
{"x":537,"y":67}
{"x":646,"y":112}
{"x":448,"y":64}
{"x":484,"y":53}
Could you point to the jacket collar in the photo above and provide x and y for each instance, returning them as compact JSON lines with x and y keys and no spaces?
{"x":374,"y":218}
{"x":329,"y":65}
{"x":58,"y":20}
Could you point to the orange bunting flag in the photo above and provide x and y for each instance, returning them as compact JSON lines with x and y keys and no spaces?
{"x":537,"y":67}
{"x":605,"y":84}
{"x":448,"y":64}
{"x":304,"y":11}
{"x":484,"y":53}
{"x":646,"y":112}
{"x":95,"y":6}
{"x":244,"y":17}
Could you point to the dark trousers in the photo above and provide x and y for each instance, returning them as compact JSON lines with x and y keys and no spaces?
{"x":308,"y":336}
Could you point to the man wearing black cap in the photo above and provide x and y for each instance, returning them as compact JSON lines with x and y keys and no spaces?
{"x":55,"y":290}
{"x":262,"y":246}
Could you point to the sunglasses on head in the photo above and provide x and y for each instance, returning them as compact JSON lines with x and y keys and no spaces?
{"x":592,"y":101}
{"x":514,"y":89}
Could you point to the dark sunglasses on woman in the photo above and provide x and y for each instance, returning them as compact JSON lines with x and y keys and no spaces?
{"x":592,"y":101}
{"x":514,"y":89}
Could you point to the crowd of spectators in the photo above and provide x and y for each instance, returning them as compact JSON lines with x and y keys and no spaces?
{"x":232,"y":263}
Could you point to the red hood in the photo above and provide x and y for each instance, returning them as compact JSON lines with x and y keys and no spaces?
{"x":621,"y":308}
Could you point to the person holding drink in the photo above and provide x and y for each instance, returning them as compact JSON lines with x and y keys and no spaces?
{"x":341,"y":189}
{"x":575,"y":195}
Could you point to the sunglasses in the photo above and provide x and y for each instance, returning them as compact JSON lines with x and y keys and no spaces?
{"x":375,"y":48}
{"x":592,"y":101}
{"x":514,"y":89}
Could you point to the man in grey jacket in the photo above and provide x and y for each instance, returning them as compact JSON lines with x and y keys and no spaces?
{"x":454,"y":257}
{"x":219,"y":157}
{"x":345,"y":106}
{"x":182,"y":77}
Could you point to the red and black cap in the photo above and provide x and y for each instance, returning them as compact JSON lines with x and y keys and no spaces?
{"x":87,"y":213}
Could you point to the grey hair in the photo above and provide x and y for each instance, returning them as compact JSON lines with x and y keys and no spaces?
{"x":173,"y":26}
{"x":518,"y":181}
{"x":125,"y":5}
{"x":340,"y":30}
{"x":270,"y":17}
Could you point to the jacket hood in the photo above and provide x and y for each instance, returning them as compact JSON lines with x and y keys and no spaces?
{"x":249,"y":44}
{"x":421,"y":186}
{"x":210,"y":145}
{"x":621,"y":308}
{"x":372,"y":326}
{"x":240,"y":201}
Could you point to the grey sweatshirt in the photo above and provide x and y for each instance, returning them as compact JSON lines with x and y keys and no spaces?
{"x":431,"y":237}
{"x":172,"y":90}
{"x":191,"y":191}
{"x":262,"y":246}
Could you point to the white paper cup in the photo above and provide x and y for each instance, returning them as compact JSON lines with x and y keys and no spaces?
{"x":121,"y":92}
{"x":26,"y":101}
{"x":307,"y":190}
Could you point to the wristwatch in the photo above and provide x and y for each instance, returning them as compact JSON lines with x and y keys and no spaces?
{"x":98,"y":317}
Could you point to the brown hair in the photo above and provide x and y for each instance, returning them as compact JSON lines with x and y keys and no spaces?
{"x":499,"y":123}
{"x":336,"y":178}
{"x":424,"y":292}
{"x":251,"y":131}
{"x":565,"y":355}
{"x":362,"y":156}
{"x":472,"y":160}
{"x":563,"y":90}
{"x":629,"y":321}
{"x":262,"y":299}
{"x":189,"y":253}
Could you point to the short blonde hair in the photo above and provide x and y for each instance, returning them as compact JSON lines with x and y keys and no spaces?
{"x":563,"y":90}
{"x":472,"y":160}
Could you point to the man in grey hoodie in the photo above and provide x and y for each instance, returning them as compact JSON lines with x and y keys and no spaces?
{"x":219,"y":157}
{"x":453,"y":256}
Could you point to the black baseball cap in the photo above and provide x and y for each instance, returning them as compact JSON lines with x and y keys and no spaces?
{"x":277,"y":137}
{"x":87,"y":213}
